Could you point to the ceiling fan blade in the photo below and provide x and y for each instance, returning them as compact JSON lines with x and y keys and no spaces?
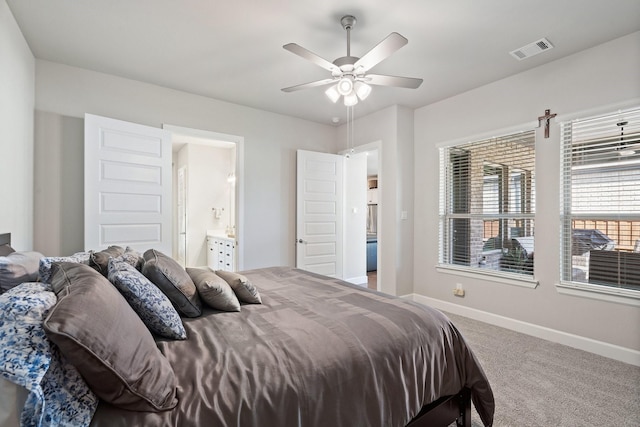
{"x":308,"y":85}
{"x":310,"y":56}
{"x":381,"y":80}
{"x":382,"y":50}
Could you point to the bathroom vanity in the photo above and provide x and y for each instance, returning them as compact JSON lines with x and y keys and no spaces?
{"x":221,"y":251}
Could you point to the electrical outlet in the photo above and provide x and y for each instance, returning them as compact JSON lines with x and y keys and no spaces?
{"x":459,"y":292}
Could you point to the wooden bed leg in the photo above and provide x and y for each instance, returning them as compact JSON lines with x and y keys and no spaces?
{"x":464,"y":420}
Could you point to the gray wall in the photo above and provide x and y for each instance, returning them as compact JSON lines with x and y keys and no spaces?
{"x":602,"y":79}
{"x":64,"y":94}
{"x":393,"y":128}
{"x":17,"y":89}
{"x":58,"y":184}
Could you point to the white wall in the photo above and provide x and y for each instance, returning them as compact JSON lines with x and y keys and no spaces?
{"x":17,"y":89}
{"x":270,"y":143}
{"x":355,"y":219}
{"x":207,"y":187}
{"x":606,"y":75}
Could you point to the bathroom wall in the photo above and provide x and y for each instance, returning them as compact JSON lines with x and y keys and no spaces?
{"x":207,"y":188}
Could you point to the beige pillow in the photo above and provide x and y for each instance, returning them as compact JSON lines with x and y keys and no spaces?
{"x":100,"y":334}
{"x":214,"y":290}
{"x":243,"y":288}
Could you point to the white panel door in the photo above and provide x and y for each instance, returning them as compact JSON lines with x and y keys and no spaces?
{"x":127,"y":185}
{"x":319,"y":214}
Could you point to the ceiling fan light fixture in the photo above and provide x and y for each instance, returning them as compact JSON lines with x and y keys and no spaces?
{"x":345,"y":86}
{"x":362,"y":90}
{"x":350,"y":99}
{"x":625,"y":149}
{"x":332,"y":93}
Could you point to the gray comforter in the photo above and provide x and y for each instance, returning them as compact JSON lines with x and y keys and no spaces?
{"x":318,"y":352}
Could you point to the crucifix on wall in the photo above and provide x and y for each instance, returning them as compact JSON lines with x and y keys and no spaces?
{"x":547,"y":116}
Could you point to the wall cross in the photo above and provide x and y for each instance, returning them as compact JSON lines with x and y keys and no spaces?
{"x":547,"y":116}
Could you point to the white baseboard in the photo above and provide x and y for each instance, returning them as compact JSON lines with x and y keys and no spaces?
{"x":361,"y":280}
{"x":601,"y":348}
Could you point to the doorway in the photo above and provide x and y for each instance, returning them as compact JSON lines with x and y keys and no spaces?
{"x":373,"y":214}
{"x":370,"y":243}
{"x":209,"y":202}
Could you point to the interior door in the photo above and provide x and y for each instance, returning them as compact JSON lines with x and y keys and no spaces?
{"x":319,"y":213}
{"x":127,"y":185}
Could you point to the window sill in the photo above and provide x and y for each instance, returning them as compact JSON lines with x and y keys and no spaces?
{"x":505,"y":278}
{"x":599,"y":292}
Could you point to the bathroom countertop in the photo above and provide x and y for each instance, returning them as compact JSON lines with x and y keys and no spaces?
{"x":217,"y":233}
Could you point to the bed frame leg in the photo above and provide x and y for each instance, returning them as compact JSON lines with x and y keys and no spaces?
{"x":464,"y":420}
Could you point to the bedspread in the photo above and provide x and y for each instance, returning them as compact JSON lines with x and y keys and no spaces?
{"x":318,"y":352}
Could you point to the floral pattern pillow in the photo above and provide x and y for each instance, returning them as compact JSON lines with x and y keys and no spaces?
{"x":147,"y":300}
{"x":46,"y":262}
{"x":57,"y":393}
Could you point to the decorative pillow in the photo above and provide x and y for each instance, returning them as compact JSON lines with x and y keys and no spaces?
{"x":18,"y":267}
{"x":100,"y":260}
{"x":101,"y":335}
{"x":6,"y":249}
{"x":134,"y":258}
{"x":243,"y":288}
{"x":46,"y":263}
{"x":57,"y":394}
{"x":174,"y":281}
{"x":153,"y":307}
{"x":214,"y":290}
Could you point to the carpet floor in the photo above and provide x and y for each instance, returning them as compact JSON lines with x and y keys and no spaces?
{"x":539,"y":383}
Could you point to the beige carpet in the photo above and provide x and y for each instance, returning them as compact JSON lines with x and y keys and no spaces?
{"x":542,"y":384}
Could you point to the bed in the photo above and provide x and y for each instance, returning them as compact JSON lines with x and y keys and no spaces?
{"x":317,"y":351}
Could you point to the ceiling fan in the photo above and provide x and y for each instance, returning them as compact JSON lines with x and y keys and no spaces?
{"x":349,"y":74}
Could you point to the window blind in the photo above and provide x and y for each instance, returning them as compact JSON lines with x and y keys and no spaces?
{"x":600,"y":203}
{"x":487,"y":204}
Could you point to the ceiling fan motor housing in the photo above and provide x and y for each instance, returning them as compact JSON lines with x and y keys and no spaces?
{"x":348,"y":21}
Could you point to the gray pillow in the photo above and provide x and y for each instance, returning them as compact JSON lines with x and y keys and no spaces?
{"x":6,"y":249}
{"x":18,"y":267}
{"x":174,"y":281}
{"x":100,"y":334}
{"x":100,"y":260}
{"x":243,"y":288}
{"x":214,"y":290}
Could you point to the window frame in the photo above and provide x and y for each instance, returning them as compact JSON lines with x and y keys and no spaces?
{"x":526,"y":200}
{"x":567,"y":218}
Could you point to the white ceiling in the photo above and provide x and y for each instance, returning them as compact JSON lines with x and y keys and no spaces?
{"x":232,"y":50}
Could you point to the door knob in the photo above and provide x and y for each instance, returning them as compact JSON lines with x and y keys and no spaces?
{"x":301,"y":241}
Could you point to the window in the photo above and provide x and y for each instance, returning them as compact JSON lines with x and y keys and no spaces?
{"x":601,"y":203}
{"x":487,"y":209}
